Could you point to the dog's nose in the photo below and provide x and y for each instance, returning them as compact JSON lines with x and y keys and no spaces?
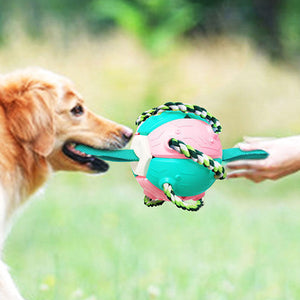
{"x":127,"y":133}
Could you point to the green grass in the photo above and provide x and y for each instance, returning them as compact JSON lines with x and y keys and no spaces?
{"x":93,"y":237}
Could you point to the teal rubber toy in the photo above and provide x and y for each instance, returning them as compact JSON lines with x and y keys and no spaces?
{"x":176,"y":154}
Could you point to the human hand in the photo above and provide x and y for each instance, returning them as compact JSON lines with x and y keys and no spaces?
{"x":283,"y":159}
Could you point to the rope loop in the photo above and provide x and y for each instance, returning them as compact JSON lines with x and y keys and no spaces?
{"x":190,"y":206}
{"x":186,"y":108}
{"x":198,"y":157}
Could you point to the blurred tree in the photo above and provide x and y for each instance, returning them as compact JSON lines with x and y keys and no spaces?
{"x":156,"y":23}
{"x":267,"y":25}
{"x":274,"y":24}
{"x":290,"y":27}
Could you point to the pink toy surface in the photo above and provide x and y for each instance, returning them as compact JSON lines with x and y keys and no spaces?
{"x":193,"y":132}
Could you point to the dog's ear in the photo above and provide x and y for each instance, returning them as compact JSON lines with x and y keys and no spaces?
{"x":29,"y":110}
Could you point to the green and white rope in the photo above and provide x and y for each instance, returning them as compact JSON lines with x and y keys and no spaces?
{"x":186,"y":108}
{"x":190,"y":206}
{"x":198,"y":157}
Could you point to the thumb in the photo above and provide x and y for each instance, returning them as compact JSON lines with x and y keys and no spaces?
{"x":256,"y":139}
{"x":248,"y":147}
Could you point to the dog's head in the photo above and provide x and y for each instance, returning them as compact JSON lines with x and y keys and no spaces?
{"x":46,"y":114}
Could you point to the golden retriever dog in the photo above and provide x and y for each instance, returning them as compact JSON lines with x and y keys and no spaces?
{"x":42,"y":118}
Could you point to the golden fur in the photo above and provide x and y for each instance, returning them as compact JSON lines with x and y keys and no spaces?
{"x":41,"y":116}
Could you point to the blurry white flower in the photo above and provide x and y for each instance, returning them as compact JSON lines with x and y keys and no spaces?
{"x":77,"y":294}
{"x":153,"y":291}
{"x":227,"y":286}
{"x":44,"y":287}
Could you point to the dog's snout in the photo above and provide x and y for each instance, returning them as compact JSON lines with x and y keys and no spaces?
{"x":127,"y":133}
{"x":119,"y":137}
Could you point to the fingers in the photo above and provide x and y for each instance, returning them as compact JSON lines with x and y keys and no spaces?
{"x":254,"y":170}
{"x":246,"y":165}
{"x":251,"y":175}
{"x":256,"y":139}
{"x":253,"y":146}
{"x":254,"y":143}
{"x":247,"y":147}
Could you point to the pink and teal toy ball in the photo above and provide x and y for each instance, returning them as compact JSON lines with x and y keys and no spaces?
{"x":176,"y":154}
{"x":169,"y":167}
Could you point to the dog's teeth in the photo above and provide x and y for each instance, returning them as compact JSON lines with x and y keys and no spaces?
{"x":72,"y":147}
{"x":78,"y":152}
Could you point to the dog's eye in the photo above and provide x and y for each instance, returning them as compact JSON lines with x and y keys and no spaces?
{"x":77,"y":110}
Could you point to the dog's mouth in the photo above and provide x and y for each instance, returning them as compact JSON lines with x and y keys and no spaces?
{"x":93,"y":163}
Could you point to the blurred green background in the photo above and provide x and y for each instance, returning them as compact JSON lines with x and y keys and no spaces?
{"x":90,"y":237}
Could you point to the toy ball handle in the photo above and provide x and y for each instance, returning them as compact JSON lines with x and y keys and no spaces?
{"x":125,"y":155}
{"x":233,"y":154}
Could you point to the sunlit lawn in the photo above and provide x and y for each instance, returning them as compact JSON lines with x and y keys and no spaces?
{"x":92,"y":238}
